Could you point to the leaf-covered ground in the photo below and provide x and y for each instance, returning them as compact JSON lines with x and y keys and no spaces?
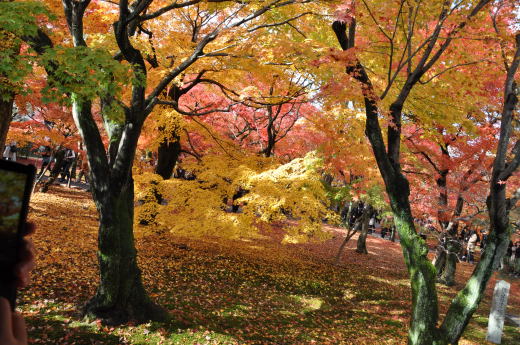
{"x":228,"y":292}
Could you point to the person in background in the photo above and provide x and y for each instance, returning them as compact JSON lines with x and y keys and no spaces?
{"x":513,"y":255}
{"x":7,"y":152}
{"x":509,"y":250}
{"x":472,"y":244}
{"x":371,"y":224}
{"x":14,"y":149}
{"x":516,"y":263}
{"x":70,"y":156}
{"x":45,"y":152}
{"x":483,"y":240}
{"x":83,"y":168}
{"x":10,"y":152}
{"x":377,"y":226}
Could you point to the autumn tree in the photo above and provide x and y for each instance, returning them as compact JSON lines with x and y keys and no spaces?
{"x":15,"y":64}
{"x":259,"y":121}
{"x":265,"y":113}
{"x":348,"y":163}
{"x":127,"y":91}
{"x":417,"y":58}
{"x":457,"y":164}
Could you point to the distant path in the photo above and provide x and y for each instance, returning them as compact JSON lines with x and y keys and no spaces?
{"x":73,"y":184}
{"x":37,"y":163}
{"x":515,"y":320}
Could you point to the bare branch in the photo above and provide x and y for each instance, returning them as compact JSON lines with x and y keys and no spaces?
{"x":513,"y":165}
{"x":451,"y":68}
{"x":175,"y":106}
{"x":376,"y":22}
{"x":279,"y":23}
{"x":173,"y":6}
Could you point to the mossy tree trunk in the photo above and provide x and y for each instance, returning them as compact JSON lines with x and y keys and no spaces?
{"x":446,"y":273}
{"x":467,"y":300}
{"x":120,"y":296}
{"x":423,"y":324}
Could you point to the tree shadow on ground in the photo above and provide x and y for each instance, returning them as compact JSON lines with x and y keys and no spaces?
{"x":261,"y":303}
{"x":49,"y":329}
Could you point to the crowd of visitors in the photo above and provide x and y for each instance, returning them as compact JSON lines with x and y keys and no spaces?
{"x":511,"y":261}
{"x":72,"y":165}
{"x":377,"y":223}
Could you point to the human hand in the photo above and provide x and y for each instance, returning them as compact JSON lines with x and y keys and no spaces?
{"x":26,"y":259}
{"x":12,"y":325}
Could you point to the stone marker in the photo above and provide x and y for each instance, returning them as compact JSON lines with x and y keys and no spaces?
{"x":498,"y":310}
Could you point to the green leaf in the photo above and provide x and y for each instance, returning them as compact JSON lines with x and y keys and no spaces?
{"x":86,"y":73}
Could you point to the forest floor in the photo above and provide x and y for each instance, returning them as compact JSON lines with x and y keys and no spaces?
{"x":250,"y":291}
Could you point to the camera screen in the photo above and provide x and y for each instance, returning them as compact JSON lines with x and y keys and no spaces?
{"x":12,"y":186}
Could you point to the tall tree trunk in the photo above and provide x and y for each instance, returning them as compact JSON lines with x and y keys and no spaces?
{"x":346,"y":224}
{"x":6,"y":115}
{"x":424,"y":316}
{"x":362,"y":239}
{"x":468,"y":299}
{"x":422,"y":273}
{"x":423,"y":324}
{"x":446,"y":275}
{"x":350,"y":232}
{"x":168,"y":153}
{"x":446,"y":257}
{"x":120,"y":296}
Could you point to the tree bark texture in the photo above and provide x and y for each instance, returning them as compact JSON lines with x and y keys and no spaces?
{"x":361,"y":246}
{"x":468,"y":299}
{"x":446,"y":275}
{"x":168,"y":153}
{"x":6,"y":115}
{"x":120,"y":296}
{"x":59,"y":157}
{"x":423,"y":326}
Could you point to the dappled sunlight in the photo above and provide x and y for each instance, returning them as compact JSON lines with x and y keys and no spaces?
{"x":396,"y":282}
{"x":223,"y":291}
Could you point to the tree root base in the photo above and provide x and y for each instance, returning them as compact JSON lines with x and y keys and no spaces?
{"x":114,"y":315}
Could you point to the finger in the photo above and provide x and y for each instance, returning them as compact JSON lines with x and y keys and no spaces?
{"x":25,"y":264}
{"x":27,"y":250}
{"x":23,"y":275}
{"x":19,"y":329}
{"x":6,"y":319}
{"x":28,"y":229}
